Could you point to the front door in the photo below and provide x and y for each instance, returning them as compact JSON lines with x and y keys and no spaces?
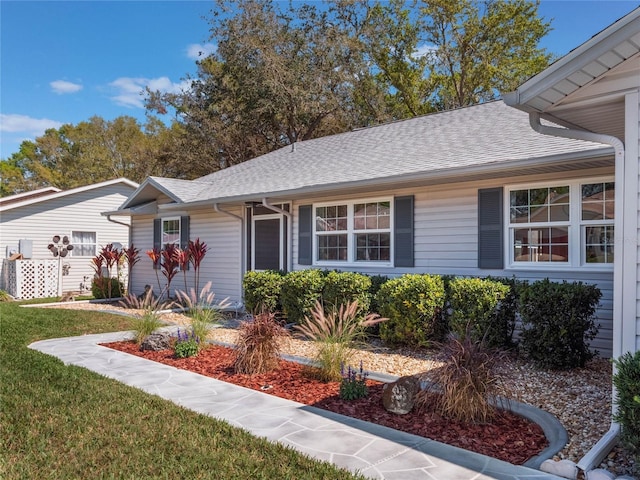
{"x":267,"y":252}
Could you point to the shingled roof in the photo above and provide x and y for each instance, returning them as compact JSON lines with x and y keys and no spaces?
{"x":489,"y":136}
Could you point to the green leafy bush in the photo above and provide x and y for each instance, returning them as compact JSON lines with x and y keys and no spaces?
{"x":503,"y":323}
{"x":300,"y":292}
{"x":341,"y":288}
{"x":376,"y":282}
{"x":100,"y":287}
{"x":353,"y":384}
{"x":413,"y":303}
{"x":627,"y":383}
{"x":558,"y":323}
{"x":262,"y":290}
{"x":474,"y":303}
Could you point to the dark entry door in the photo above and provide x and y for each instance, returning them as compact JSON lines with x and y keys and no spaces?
{"x":267,"y":244}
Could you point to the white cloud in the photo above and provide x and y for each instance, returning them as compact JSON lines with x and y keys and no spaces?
{"x":129,"y":92}
{"x":61,"y":87}
{"x":424,"y":50}
{"x":198,"y":51}
{"x":25,"y":124}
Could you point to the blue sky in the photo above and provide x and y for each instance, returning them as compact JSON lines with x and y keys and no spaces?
{"x":63,"y":62}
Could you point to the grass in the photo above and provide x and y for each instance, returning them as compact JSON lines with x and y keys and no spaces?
{"x":66,"y":422}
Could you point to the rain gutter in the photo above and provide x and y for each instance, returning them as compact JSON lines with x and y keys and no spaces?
{"x":597,"y":453}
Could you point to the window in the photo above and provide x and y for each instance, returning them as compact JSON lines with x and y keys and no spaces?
{"x":565,"y":224}
{"x":170,"y":231}
{"x":84,"y":244}
{"x":353,"y":232}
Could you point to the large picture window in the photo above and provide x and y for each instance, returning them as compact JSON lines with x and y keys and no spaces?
{"x":353,"y":232}
{"x":84,"y":244}
{"x":565,"y":224}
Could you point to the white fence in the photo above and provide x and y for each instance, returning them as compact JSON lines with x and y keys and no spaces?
{"x":25,"y":279}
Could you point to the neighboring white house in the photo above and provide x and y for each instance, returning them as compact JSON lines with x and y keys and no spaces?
{"x":29,"y":221}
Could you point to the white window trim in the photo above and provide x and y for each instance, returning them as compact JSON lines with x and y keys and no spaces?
{"x":169,"y":219}
{"x":351,"y":232}
{"x":84,"y":256}
{"x":575,"y":225}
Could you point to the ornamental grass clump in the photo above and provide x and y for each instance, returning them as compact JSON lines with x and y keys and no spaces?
{"x":627,"y":382}
{"x":258,"y":346}
{"x":202,"y":310}
{"x":149,"y":321}
{"x":335,"y":334}
{"x":465,"y":386}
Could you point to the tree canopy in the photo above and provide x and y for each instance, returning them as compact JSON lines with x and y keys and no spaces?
{"x":287,"y":73}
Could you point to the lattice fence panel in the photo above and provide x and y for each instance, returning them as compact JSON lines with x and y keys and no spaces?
{"x":33,"y":278}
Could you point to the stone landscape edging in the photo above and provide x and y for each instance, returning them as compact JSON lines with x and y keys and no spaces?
{"x":554,"y":431}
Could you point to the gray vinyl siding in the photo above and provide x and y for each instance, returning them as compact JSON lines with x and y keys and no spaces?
{"x":222,"y":265}
{"x":80,"y":211}
{"x":446,"y":234}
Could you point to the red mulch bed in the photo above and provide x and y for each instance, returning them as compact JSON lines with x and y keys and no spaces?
{"x":508,"y":437}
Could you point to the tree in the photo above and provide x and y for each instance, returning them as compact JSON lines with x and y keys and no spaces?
{"x":479,"y":49}
{"x":276,"y":78}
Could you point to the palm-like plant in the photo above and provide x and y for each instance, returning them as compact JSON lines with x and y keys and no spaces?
{"x":336,"y":333}
{"x":197,"y":251}
{"x":170,"y":265}
{"x":156,"y":257}
{"x":131,"y":256}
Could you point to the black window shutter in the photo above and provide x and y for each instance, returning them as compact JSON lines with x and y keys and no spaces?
{"x":403,"y":234}
{"x":490,"y":228}
{"x":305,"y":233}
{"x":184,"y":234}
{"x":157,"y":239}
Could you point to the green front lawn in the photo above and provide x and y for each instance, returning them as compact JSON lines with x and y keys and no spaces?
{"x":65,"y":422}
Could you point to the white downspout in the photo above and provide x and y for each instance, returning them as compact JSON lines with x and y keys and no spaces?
{"x":289,"y":216}
{"x":128,"y":225}
{"x":597,"y":453}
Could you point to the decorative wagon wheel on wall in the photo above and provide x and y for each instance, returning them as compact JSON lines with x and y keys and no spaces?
{"x":60,"y":247}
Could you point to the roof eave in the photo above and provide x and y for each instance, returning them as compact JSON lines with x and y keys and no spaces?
{"x":440,"y":175}
{"x":591,"y":50}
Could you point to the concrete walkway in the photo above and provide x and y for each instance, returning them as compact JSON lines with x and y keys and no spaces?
{"x":375,"y":451}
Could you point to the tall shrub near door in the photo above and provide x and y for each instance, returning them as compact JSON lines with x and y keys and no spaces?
{"x":558,"y":322}
{"x":300,"y":292}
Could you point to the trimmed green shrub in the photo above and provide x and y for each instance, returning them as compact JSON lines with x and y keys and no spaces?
{"x":100,"y":287}
{"x":558,"y":323}
{"x":474,"y":304}
{"x":413,"y":303}
{"x":503,"y":323}
{"x":300,"y":292}
{"x":376,"y":282}
{"x":262,"y":290}
{"x":627,"y":383}
{"x":341,"y":288}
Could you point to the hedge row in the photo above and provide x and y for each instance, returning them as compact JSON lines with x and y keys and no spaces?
{"x":557,"y":319}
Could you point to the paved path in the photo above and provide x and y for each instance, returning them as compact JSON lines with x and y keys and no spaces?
{"x":375,"y":451}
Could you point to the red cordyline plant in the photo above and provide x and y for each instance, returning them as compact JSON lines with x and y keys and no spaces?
{"x":155,"y":255}
{"x":182,"y":258}
{"x":170,"y":265}
{"x":197,"y":251}
{"x":131,"y":256}
{"x":111,"y":256}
